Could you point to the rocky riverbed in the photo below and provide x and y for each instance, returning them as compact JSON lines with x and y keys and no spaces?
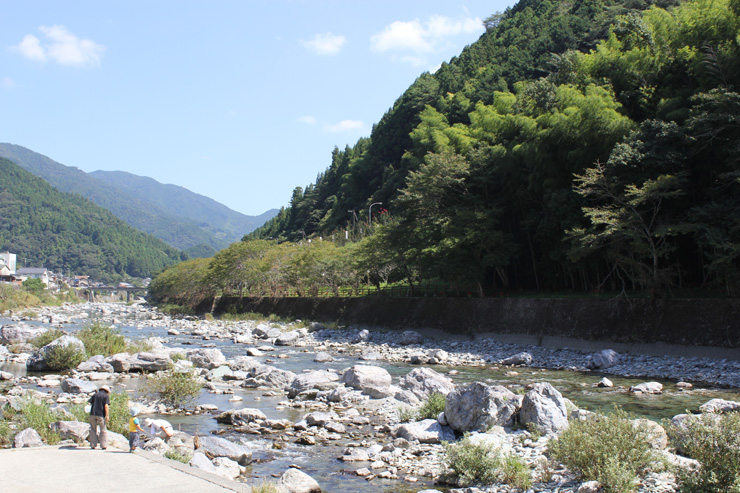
{"x":330,"y":400}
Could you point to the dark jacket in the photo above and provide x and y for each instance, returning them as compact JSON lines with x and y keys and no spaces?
{"x":98,"y":403}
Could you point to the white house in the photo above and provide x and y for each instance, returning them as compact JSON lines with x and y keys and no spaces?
{"x":7,"y":261}
{"x":34,"y":273}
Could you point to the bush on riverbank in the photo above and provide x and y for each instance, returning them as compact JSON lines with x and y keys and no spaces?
{"x":716,"y":445}
{"x":61,"y":358}
{"x":433,"y":406}
{"x":468,"y":462}
{"x":610,"y":449}
{"x":176,"y":388}
{"x":102,"y":339}
{"x":45,"y":338}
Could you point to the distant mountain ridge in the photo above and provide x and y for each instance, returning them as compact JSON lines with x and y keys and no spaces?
{"x":181,"y":218}
{"x":68,"y":233}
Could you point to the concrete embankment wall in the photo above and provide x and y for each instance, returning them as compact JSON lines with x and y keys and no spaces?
{"x":697,"y":322}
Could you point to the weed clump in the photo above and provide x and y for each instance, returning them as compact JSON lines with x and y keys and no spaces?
{"x":610,"y":449}
{"x":176,"y":388}
{"x":470,"y":462}
{"x":433,"y":406}
{"x":715,"y":444}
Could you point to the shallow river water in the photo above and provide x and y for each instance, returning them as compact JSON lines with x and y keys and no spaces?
{"x":321,"y":462}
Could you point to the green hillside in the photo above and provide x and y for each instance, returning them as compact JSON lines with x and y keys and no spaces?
{"x":580,"y":145}
{"x":56,"y":230}
{"x":181,"y":218}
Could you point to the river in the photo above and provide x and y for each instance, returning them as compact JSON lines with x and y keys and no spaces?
{"x":321,"y":461}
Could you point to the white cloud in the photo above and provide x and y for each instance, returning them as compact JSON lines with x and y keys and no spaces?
{"x":308,"y":120}
{"x":411,"y":41}
{"x":401,"y":36}
{"x":325,"y":44}
{"x":31,"y":48}
{"x":345,"y":126}
{"x":61,"y":46}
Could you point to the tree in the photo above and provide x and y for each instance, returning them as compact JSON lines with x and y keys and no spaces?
{"x":629,"y":221}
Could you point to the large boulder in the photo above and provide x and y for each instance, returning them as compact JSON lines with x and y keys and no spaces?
{"x":243,"y":363}
{"x":241,"y":417}
{"x":75,"y":430}
{"x":410,"y":337}
{"x":477,"y":407}
{"x":647,"y":388}
{"x":202,"y":462}
{"x":208,"y":358}
{"x":544,"y":407}
{"x":720,"y":406}
{"x":27,"y":438}
{"x":368,"y":379}
{"x":655,"y":434}
{"x":220,"y":447}
{"x":121,"y":362}
{"x":291,"y":337}
{"x":269,"y":377}
{"x":20,"y":333}
{"x":78,"y":386}
{"x":227,"y":468}
{"x":263,"y":331}
{"x":37,"y":361}
{"x":313,"y":381}
{"x":424,"y":381}
{"x":149,"y":362}
{"x":605,"y":358}
{"x":320,"y":418}
{"x":425,"y":431}
{"x":295,"y":481}
{"x":96,"y":363}
{"x":522,"y":358}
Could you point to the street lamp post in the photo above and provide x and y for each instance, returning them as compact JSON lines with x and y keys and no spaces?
{"x":370,"y":213}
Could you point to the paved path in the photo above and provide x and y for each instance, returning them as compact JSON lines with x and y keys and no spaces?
{"x":71,"y":469}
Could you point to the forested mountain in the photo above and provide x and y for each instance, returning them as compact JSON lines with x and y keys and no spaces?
{"x":61,"y":231}
{"x":179,"y":217}
{"x":580,"y":145}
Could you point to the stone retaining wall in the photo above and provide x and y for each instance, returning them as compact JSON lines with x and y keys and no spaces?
{"x":704,"y":322}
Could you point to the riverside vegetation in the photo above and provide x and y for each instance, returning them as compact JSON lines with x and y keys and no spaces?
{"x":575,"y":147}
{"x":612,"y":448}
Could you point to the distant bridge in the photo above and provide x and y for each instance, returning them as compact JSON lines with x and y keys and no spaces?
{"x":92,"y":289}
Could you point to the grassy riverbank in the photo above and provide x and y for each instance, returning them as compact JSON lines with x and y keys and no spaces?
{"x":19,"y":298}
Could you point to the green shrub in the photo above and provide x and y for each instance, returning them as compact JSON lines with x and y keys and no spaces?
{"x":515,"y":472}
{"x":266,"y":487}
{"x":175,"y":454}
{"x":4,"y":433}
{"x":38,"y":415}
{"x":60,"y":358}
{"x":34,"y":286}
{"x":175,"y":357}
{"x":46,"y":338}
{"x":468,"y":462}
{"x":101,"y":339}
{"x":716,"y":445}
{"x":434,"y":405}
{"x":406,"y":414}
{"x":177,"y":388}
{"x":607,"y":448}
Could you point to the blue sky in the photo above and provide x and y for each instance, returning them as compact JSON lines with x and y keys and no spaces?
{"x":240,"y":101}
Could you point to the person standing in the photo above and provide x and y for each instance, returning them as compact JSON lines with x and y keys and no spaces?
{"x":99,"y":417}
{"x":133,"y":430}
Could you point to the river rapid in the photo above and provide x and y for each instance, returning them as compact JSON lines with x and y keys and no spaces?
{"x":466,"y":360}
